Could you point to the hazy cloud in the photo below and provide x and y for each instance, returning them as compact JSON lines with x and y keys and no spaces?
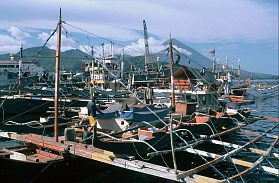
{"x":191,"y":20}
{"x":8,"y":44}
{"x":18,"y":34}
{"x":11,"y":42}
{"x":67,"y":43}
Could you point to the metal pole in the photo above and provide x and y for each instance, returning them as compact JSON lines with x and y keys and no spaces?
{"x":57,"y":67}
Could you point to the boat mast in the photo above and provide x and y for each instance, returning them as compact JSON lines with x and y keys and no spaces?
{"x":171,"y":73}
{"x":19,"y":69}
{"x":238,"y":73}
{"x":57,"y":67}
{"x":172,"y":105}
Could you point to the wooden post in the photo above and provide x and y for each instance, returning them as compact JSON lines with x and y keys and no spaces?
{"x":57,"y":68}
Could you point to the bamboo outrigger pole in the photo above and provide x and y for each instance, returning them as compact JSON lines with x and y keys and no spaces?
{"x":57,"y":68}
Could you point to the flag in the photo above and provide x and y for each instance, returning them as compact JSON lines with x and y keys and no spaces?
{"x":212,"y":52}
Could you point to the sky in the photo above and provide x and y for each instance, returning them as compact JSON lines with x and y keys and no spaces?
{"x":239,"y":29}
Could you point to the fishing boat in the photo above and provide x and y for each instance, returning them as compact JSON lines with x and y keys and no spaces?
{"x":34,"y":114}
{"x":30,"y":163}
{"x":30,"y":159}
{"x":135,"y":141}
{"x":23,"y":164}
{"x":244,"y":115}
{"x":152,"y":113}
{"x":207,"y":124}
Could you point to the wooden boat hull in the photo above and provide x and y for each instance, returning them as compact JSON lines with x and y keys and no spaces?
{"x":44,"y":128}
{"x":63,"y":170}
{"x":207,"y":125}
{"x":144,"y":114}
{"x":161,"y":140}
{"x":32,"y":105}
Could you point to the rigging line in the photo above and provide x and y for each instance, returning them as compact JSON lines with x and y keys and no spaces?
{"x":257,"y":132}
{"x":28,"y":111}
{"x":203,"y":158}
{"x":215,"y":127}
{"x":133,"y":94}
{"x":41,"y":49}
{"x":88,"y":52}
{"x":45,"y":168}
{"x":261,"y":100}
{"x":102,"y":37}
{"x":239,"y":128}
{"x":191,"y":60}
{"x":2,"y":103}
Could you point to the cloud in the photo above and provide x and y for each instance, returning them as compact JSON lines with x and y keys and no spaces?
{"x":191,"y":20}
{"x":8,"y":44}
{"x":138,"y":48}
{"x":133,"y":48}
{"x":18,"y":34}
{"x":12,"y":42}
{"x":66,"y":43}
{"x":183,"y":50}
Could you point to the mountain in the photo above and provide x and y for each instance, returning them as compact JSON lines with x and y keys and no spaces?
{"x":192,"y":58}
{"x":72,"y":59}
{"x":196,"y":59}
